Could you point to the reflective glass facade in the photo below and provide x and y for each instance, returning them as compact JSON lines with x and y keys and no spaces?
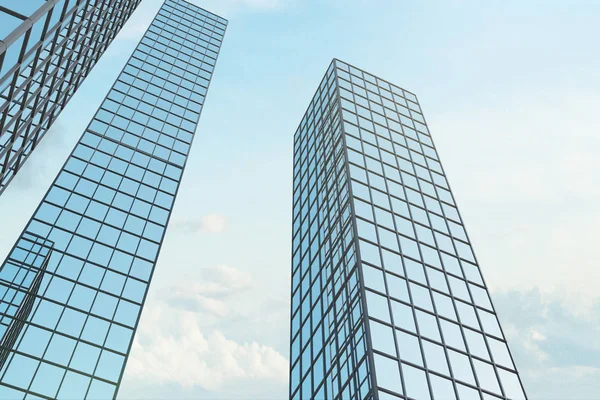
{"x":72,"y":288}
{"x":48,"y":47}
{"x":328,"y":343}
{"x":423,"y":310}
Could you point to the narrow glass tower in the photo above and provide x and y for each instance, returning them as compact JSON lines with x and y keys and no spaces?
{"x":47,"y":49}
{"x":388,"y":301}
{"x":73,"y":286}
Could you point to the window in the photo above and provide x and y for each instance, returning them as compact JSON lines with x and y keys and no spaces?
{"x":388,"y":374}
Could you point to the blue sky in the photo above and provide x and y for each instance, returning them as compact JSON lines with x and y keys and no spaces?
{"x":510,"y":91}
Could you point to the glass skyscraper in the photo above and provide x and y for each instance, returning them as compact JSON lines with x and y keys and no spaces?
{"x":388,"y":301}
{"x":73,"y":286}
{"x":48,"y":48}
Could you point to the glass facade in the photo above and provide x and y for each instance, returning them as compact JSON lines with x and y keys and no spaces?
{"x":72,"y":288}
{"x":328,"y":345}
{"x":47,"y":50}
{"x":423,"y":311}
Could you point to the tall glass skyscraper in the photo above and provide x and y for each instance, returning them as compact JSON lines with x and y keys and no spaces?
{"x":48,"y":48}
{"x":72,"y":288}
{"x":388,"y":301}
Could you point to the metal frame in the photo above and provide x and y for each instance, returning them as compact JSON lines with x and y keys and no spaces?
{"x":49,"y":69}
{"x":373,"y":375}
{"x":151,"y":88}
{"x":19,"y":319}
{"x":419,"y":159}
{"x":338,"y":275}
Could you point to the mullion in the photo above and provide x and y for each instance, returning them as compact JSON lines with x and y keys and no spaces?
{"x":72,"y":19}
{"x":477,"y":306}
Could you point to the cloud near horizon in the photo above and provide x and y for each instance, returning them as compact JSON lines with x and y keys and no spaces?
{"x":556,"y":348}
{"x":177,"y":344}
{"x":172,"y":348}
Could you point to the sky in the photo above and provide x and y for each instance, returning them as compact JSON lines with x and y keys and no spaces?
{"x":511,"y":93}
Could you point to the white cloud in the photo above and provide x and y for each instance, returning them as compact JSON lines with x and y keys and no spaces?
{"x":171,"y":347}
{"x":212,"y":223}
{"x":231,"y":277}
{"x":194,"y":336}
{"x":556,"y":348}
{"x":211,"y":292}
{"x":536,"y":336}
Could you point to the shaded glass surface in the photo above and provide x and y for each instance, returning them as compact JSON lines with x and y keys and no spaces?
{"x":104,"y":218}
{"x":328,"y":345}
{"x":423,"y":313}
{"x":47,"y":50}
{"x":20,"y":280}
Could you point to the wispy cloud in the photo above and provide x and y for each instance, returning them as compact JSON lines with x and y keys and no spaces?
{"x":210,"y":293}
{"x":556,"y":347}
{"x":229,"y":277}
{"x":44,"y":162}
{"x":525,"y":174}
{"x":212,"y":223}
{"x":526,"y":178}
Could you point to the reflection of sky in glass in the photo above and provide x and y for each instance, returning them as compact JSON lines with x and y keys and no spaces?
{"x":430,"y":316}
{"x":328,"y":349}
{"x":107,"y":211}
{"x":9,"y":22}
{"x":47,"y":58}
{"x":20,"y":280}
{"x":432,"y":327}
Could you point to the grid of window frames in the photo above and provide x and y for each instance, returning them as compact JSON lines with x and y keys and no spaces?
{"x":20,"y":280}
{"x":107,"y":211}
{"x":47,"y":58}
{"x":329,"y":357}
{"x":434,"y":330}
